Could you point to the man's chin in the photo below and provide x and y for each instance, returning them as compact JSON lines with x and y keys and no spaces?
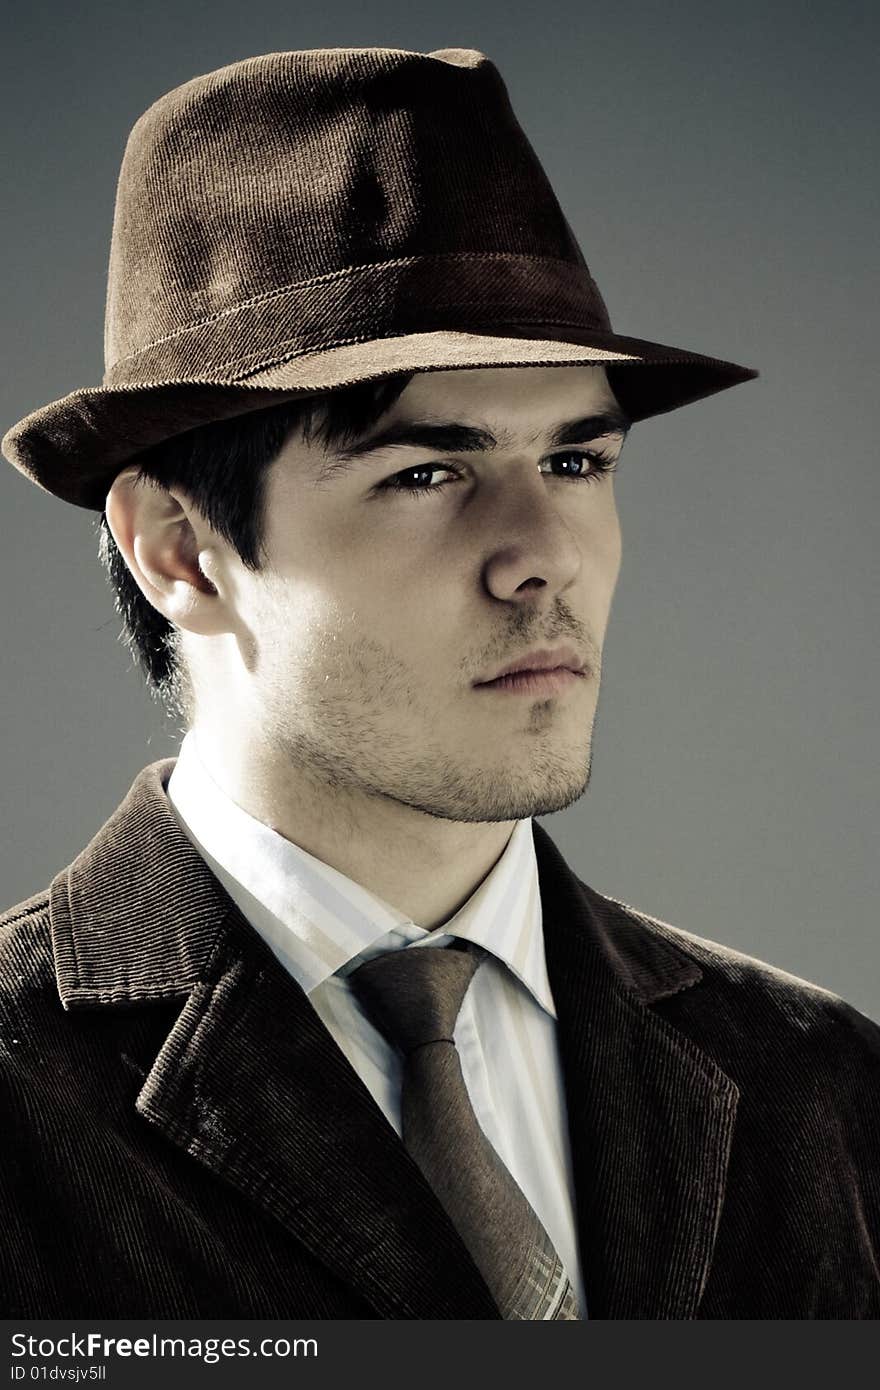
{"x":492,"y":803}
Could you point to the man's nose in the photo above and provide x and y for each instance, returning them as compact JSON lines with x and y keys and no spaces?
{"x":532,"y":541}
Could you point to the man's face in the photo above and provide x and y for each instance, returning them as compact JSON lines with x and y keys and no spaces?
{"x":398,"y":581}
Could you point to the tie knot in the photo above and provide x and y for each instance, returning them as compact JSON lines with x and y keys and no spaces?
{"x":413,"y":995}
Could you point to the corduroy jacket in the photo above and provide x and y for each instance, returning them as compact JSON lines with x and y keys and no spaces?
{"x":182,"y":1137}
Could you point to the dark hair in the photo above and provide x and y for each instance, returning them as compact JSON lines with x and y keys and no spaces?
{"x":221,"y":467}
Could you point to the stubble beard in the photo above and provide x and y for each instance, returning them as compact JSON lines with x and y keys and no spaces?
{"x":350,"y":755}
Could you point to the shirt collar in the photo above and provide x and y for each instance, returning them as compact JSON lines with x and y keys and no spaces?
{"x":319,"y":922}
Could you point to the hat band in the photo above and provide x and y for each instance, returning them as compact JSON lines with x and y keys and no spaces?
{"x":472,"y":292}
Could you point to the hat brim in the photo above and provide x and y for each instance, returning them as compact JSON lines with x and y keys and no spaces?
{"x":74,"y":447}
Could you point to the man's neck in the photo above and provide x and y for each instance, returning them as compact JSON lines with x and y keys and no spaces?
{"x":424,"y":866}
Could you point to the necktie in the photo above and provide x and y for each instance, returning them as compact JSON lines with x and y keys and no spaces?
{"x":413,"y":996}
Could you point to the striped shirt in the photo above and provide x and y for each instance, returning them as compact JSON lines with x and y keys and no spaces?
{"x":321,"y":925}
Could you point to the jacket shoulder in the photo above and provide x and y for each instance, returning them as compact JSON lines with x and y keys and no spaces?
{"x":764,"y":996}
{"x":26,"y":958}
{"x":31,"y":908}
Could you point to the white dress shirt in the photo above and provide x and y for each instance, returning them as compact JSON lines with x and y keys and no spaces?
{"x":322,"y":925}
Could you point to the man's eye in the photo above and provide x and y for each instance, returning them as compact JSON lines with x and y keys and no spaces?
{"x":589,"y":467}
{"x":408,"y":480}
{"x":598,"y":464}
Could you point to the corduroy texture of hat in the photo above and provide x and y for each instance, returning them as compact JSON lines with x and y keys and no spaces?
{"x":303,"y":221}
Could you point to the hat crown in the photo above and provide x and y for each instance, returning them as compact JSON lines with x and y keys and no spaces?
{"x":277,"y":170}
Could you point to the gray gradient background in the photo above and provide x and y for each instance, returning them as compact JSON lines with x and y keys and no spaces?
{"x":717,"y":164}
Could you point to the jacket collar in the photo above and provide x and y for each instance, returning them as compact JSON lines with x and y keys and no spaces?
{"x":250,"y":1083}
{"x":138,"y":914}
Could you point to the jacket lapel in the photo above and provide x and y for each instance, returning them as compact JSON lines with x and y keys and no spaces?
{"x":651,"y":1115}
{"x":251,"y":1084}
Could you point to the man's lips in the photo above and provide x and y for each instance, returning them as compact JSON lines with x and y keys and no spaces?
{"x":537,"y":683}
{"x":542,"y":659}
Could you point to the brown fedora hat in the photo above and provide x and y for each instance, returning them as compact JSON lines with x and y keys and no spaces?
{"x":303,"y":221}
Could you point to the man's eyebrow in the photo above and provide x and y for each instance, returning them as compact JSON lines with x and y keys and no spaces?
{"x":452,"y":437}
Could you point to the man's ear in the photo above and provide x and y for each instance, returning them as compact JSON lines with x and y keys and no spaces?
{"x":168,"y":547}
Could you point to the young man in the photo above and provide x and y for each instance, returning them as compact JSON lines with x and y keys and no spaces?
{"x":320,"y":1023}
